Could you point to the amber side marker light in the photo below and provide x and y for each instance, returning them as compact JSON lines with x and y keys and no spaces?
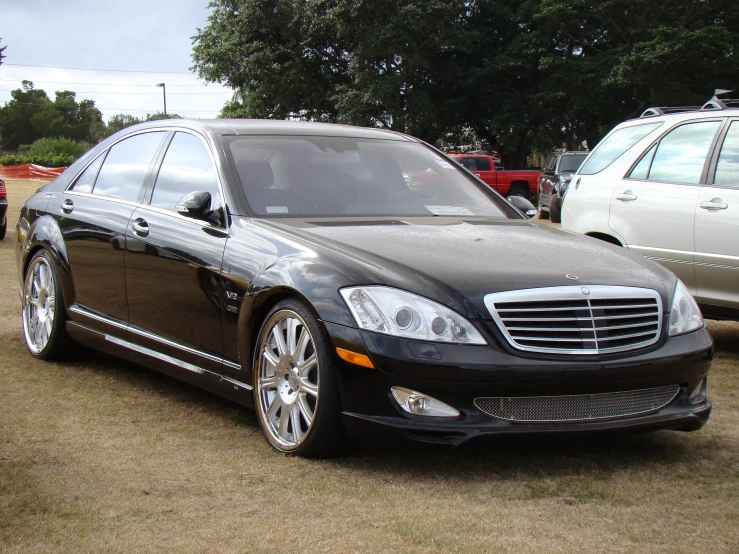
{"x":354,"y":358}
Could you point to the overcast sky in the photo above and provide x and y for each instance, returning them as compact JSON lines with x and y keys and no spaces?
{"x":133,"y":35}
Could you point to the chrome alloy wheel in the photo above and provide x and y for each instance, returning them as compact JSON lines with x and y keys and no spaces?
{"x":38,"y":305}
{"x":287,"y":379}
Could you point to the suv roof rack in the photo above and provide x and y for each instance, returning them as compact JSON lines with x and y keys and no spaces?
{"x":662,"y":110}
{"x":714,"y":103}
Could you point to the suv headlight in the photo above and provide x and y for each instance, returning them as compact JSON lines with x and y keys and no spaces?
{"x":403,"y":314}
{"x":685,"y":315}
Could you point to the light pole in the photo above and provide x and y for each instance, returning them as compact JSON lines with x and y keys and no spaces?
{"x":164,"y":93}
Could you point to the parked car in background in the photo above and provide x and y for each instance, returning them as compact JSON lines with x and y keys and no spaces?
{"x":554,"y":180}
{"x":666,"y":186}
{"x":504,"y":182}
{"x":318,"y":273}
{"x":3,"y":209}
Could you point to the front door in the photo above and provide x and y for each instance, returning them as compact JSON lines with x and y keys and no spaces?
{"x":173,"y":263}
{"x":717,"y":228}
{"x":653,"y":207}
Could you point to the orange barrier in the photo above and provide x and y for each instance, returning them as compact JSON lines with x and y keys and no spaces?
{"x":30,"y":172}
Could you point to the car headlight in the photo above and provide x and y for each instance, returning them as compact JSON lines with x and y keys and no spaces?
{"x":685,"y":315}
{"x":403,"y":314}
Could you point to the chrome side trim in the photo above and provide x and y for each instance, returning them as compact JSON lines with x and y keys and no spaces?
{"x":157,"y":338}
{"x":154,"y":354}
{"x":177,"y":362}
{"x":85,"y":313}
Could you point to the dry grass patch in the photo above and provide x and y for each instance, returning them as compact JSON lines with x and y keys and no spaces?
{"x":104,"y":456}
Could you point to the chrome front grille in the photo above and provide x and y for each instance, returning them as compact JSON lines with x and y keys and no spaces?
{"x":580,"y":407}
{"x":578,"y":320}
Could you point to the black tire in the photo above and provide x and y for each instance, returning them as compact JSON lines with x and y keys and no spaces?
{"x":517,"y":191}
{"x":3,"y":229}
{"x":59,"y":345}
{"x":555,"y":209}
{"x":325,"y":435}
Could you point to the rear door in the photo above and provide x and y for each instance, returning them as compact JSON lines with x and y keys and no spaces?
{"x":653,"y":207}
{"x":173,"y":263}
{"x":717,"y":227}
{"x":93,"y":214}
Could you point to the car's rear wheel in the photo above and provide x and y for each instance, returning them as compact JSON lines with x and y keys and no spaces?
{"x":295,"y":388}
{"x":44,"y":317}
{"x":555,"y":209}
{"x":3,"y":229}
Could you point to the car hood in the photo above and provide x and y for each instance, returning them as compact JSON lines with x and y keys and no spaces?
{"x":458,"y":263}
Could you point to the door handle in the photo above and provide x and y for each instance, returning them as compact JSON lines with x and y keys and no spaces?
{"x":714,"y":204}
{"x":626,"y":196}
{"x":67,"y":206}
{"x":140,"y":227}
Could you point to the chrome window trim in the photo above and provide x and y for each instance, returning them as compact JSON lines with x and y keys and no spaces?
{"x":597,"y":292}
{"x":86,"y":313}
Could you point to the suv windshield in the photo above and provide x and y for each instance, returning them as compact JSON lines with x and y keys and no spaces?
{"x":339,"y":176}
{"x":614,"y":145}
{"x":571,"y":162}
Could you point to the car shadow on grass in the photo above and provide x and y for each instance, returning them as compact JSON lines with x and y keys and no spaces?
{"x":507,"y":459}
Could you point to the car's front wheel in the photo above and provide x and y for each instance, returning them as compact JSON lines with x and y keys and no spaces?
{"x":44,"y":317}
{"x":295,"y":384}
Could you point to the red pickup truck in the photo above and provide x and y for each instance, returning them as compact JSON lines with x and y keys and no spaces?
{"x":506,"y":183}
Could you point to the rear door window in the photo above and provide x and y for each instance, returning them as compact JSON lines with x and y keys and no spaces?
{"x":86,"y":180}
{"x":483,"y":164}
{"x":469,"y":163}
{"x":614,"y":145}
{"x":126,"y":166}
{"x":681,"y":153}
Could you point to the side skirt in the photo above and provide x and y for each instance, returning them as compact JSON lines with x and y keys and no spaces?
{"x":209,"y":380}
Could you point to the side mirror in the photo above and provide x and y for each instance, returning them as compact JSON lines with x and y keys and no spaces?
{"x":195,"y":205}
{"x":548,"y":171}
{"x":523,"y":205}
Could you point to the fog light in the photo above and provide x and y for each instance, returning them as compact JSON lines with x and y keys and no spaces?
{"x":421,"y":404}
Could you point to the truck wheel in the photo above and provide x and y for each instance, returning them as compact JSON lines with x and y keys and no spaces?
{"x":555,"y":209}
{"x":518,"y":192}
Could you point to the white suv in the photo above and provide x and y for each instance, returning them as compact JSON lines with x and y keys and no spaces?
{"x":666,"y":185}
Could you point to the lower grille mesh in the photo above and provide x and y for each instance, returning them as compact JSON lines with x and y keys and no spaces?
{"x":579,"y":407}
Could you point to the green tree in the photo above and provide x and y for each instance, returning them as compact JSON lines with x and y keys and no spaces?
{"x":2,"y":49}
{"x":120,"y":121}
{"x":523,"y":74}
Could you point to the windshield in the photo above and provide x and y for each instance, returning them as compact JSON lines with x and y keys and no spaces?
{"x":338,"y":176}
{"x":571,"y":162}
{"x":614,"y":145}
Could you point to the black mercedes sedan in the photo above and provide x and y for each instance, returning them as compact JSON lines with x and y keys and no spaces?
{"x":351,"y":283}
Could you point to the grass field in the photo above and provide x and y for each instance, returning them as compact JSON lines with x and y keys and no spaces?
{"x":102,"y":456}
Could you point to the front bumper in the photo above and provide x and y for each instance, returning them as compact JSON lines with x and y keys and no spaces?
{"x":456,"y":375}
